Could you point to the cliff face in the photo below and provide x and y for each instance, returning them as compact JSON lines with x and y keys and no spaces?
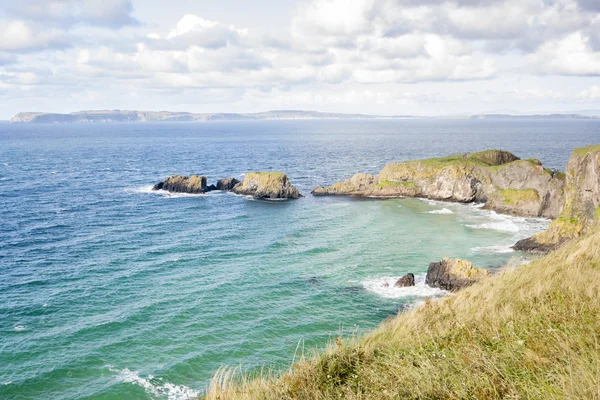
{"x":581,"y":212}
{"x":267,"y":185}
{"x":498,"y":178}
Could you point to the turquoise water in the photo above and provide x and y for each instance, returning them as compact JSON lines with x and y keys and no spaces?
{"x":111,"y":291}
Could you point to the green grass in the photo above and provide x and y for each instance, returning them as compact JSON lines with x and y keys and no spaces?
{"x":516,"y":196}
{"x":531,"y":332}
{"x":583,"y":151}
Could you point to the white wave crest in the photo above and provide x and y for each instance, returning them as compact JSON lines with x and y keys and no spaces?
{"x":442,"y":211}
{"x":20,"y":328}
{"x":492,"y":249}
{"x":504,"y":226}
{"x":155,"y":386}
{"x":384,"y":287}
{"x":148,"y":190}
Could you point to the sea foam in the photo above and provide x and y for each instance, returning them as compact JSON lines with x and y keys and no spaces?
{"x":155,"y":386}
{"x":442,"y":211}
{"x":384,"y":287}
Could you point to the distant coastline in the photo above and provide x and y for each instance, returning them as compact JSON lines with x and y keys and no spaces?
{"x":109,"y":116}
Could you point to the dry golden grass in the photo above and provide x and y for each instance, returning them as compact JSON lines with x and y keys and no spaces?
{"x":531,"y":332}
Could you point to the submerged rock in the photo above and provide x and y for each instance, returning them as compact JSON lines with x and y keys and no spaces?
{"x":454,"y":274}
{"x":183,"y":184}
{"x":267,"y":185}
{"x":498,"y":178}
{"x":581,"y":211}
{"x":406,"y":281}
{"x":226,"y":184}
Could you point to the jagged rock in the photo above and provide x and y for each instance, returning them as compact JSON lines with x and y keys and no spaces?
{"x":267,"y":185}
{"x":581,"y":211}
{"x":406,"y":281}
{"x":183,"y":184}
{"x":498,"y":178}
{"x":453,"y":275}
{"x":227,"y":183}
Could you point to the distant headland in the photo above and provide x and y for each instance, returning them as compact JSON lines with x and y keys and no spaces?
{"x":108,"y":116}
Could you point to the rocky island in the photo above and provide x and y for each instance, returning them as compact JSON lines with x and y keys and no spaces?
{"x":263,"y":185}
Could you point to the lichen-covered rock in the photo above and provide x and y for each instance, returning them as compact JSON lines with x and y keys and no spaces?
{"x":499,"y":178}
{"x":226,"y":183}
{"x":406,"y":281}
{"x":183,"y":184}
{"x":581,"y":211}
{"x":267,"y":185}
{"x":359,"y":183}
{"x":453,"y":275}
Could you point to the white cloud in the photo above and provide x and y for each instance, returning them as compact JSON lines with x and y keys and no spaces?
{"x":592,"y":93}
{"x":109,"y":13}
{"x":19,"y":36}
{"x":571,"y":55}
{"x":367,"y":53}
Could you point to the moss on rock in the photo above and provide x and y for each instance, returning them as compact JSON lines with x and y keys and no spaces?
{"x":517,"y":196}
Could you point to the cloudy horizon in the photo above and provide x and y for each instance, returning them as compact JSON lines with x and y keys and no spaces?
{"x":374,"y":57}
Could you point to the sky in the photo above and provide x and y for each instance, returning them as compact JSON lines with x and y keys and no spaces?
{"x":386,"y":57}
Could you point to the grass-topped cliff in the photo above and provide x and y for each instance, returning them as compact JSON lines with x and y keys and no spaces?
{"x":531,"y":332}
{"x":498,"y":178}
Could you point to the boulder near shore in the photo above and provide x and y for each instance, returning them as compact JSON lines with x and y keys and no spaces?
{"x":453,"y":275}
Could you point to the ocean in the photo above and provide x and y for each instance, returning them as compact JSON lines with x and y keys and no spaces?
{"x":109,"y":290}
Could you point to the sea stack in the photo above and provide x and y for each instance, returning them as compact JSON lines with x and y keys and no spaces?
{"x":194,"y":184}
{"x":267,"y":185}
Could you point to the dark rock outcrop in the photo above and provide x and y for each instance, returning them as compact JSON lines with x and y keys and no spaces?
{"x":581,"y":211}
{"x":406,"y":281}
{"x":267,"y":185}
{"x":183,"y":184}
{"x":453,"y":275}
{"x":498,"y":178}
{"x":226,"y":183}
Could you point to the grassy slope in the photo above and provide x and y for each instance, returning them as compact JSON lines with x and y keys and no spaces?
{"x":529,"y":333}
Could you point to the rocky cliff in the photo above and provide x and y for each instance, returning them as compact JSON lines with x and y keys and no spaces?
{"x":267,"y":185}
{"x":581,"y":211}
{"x":498,"y":178}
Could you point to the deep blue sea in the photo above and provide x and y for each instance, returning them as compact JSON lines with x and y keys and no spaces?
{"x":111,"y":291}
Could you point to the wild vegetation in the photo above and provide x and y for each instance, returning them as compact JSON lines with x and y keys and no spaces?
{"x":531,"y":332}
